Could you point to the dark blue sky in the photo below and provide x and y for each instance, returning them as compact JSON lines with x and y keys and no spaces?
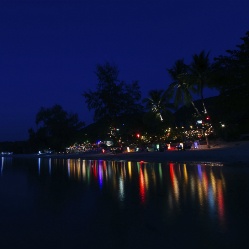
{"x":49,"y":48}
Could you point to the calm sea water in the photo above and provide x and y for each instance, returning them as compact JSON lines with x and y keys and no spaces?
{"x":73,"y":203}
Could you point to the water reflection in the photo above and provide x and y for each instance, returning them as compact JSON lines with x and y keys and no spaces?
{"x":176,"y":182}
{"x":4,"y":162}
{"x":142,"y":184}
{"x":157,"y":202}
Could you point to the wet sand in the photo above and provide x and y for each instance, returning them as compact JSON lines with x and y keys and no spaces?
{"x":229,"y":153}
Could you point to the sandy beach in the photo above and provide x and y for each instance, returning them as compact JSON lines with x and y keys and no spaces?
{"x":228,"y":153}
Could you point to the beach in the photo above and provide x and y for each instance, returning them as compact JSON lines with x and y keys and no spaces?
{"x":228,"y":153}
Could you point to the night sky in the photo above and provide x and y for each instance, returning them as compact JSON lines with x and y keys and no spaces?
{"x":49,"y":49}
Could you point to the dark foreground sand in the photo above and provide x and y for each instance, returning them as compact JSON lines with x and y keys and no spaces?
{"x":229,"y":153}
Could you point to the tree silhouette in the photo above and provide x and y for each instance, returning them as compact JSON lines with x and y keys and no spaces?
{"x":231,"y":77}
{"x":112,"y":97}
{"x":56,"y":128}
{"x":181,"y":86}
{"x":200,"y":74}
{"x":158,"y":103}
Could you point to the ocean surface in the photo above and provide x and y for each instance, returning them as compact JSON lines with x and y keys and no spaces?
{"x":75,"y":203}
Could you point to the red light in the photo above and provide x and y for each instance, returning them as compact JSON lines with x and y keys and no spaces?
{"x":138,"y":135}
{"x":207,"y":118}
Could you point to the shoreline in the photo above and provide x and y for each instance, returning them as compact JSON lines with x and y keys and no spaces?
{"x":230,"y":153}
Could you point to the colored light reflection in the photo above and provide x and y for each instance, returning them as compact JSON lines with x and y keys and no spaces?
{"x":174,"y":182}
{"x":142,"y":189}
{"x":221,"y":205}
{"x":203,"y":185}
{"x":129,"y":169}
{"x":100,"y":170}
{"x":185,"y":173}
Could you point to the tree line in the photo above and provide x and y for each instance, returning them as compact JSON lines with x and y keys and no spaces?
{"x":116,"y":103}
{"x":229,"y":74}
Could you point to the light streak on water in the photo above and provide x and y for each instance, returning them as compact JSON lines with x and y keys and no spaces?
{"x":2,"y":163}
{"x":121,"y":189}
{"x":49,"y":166}
{"x":100,"y":169}
{"x":39,"y":165}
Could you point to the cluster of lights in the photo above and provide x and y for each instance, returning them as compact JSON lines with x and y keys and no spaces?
{"x":113,"y":131}
{"x":199,"y":130}
{"x":78,"y":148}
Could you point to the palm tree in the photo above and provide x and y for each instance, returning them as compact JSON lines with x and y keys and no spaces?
{"x":158,"y":102}
{"x":181,"y":88}
{"x":200,"y":74}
